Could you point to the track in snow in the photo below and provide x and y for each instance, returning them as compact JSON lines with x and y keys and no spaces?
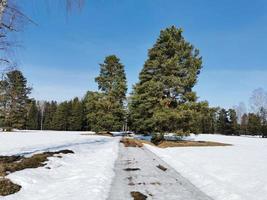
{"x":137,"y":169}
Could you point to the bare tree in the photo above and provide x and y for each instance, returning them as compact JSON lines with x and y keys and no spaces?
{"x":258,"y":100}
{"x":240,"y":110}
{"x":12,"y":20}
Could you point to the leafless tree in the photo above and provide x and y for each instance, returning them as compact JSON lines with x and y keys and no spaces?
{"x":240,"y":110}
{"x":258,"y":100}
{"x":12,"y":20}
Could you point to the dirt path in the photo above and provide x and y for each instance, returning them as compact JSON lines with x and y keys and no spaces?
{"x":139,"y":170}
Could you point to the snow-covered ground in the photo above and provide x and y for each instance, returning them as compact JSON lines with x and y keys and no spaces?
{"x":237,"y":172}
{"x":87,"y":174}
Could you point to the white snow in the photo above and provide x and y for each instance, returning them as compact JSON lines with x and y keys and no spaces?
{"x":237,"y":172}
{"x":87,"y":174}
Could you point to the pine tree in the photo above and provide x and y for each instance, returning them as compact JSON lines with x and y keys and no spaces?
{"x":105,"y":109}
{"x":233,"y":125}
{"x":263,"y":117}
{"x":48,"y":115}
{"x":32,"y":116}
{"x":61,"y":117}
{"x":165,"y":83}
{"x":254,"y":124}
{"x":112,"y":79}
{"x":14,"y":99}
{"x":76,"y":118}
{"x":223,"y":122}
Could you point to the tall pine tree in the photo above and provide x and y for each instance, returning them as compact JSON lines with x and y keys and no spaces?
{"x":14,"y":99}
{"x":105,"y":109}
{"x":165,"y":84}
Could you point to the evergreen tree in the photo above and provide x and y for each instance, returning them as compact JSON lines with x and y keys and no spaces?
{"x":14,"y":99}
{"x":165,"y":83}
{"x":254,"y":124}
{"x":61,"y":117}
{"x":76,"y":118}
{"x":103,"y":115}
{"x":32,"y":116}
{"x":112,"y":79}
{"x":263,"y":117}
{"x":106,"y":110}
{"x":223,"y":122}
{"x":48,"y":115}
{"x":233,"y":125}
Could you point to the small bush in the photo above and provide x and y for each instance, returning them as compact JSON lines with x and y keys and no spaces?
{"x":157,"y":138}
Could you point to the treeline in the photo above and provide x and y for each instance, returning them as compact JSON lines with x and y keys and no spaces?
{"x":21,"y":112}
{"x":162,"y":101}
{"x":226,"y":122}
{"x":68,"y":116}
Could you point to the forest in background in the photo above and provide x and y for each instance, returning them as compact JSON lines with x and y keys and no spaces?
{"x":161,"y":102}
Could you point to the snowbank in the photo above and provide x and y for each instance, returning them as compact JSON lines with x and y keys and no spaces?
{"x":87,"y":174}
{"x":236,"y":172}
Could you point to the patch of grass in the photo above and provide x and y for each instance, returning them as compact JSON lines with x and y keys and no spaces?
{"x":7,"y":187}
{"x":138,"y":195}
{"x":130,"y":142}
{"x":10,"y":164}
{"x":14,"y":164}
{"x":9,"y":159}
{"x":183,"y":143}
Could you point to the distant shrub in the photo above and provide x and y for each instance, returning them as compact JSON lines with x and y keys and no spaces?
{"x":157,"y":138}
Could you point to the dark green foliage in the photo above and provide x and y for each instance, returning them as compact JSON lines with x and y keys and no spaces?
{"x":32,"y":116}
{"x":103,"y":115}
{"x":227,"y":122}
{"x":254,"y":124}
{"x":76,"y":118}
{"x":233,"y":125}
{"x":68,"y":115}
{"x":61,"y":118}
{"x":14,"y":99}
{"x":48,"y":113}
{"x":165,"y":84}
{"x":112,"y":79}
{"x":157,"y":138}
{"x":223,"y":122}
{"x":105,"y":110}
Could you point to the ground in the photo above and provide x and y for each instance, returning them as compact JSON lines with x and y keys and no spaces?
{"x":86,"y":174}
{"x":138,"y":170}
{"x":236,"y":172}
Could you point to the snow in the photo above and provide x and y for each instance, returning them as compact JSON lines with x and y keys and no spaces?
{"x":87,"y":174}
{"x":237,"y":172}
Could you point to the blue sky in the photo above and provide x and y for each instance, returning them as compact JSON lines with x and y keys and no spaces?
{"x":60,"y":55}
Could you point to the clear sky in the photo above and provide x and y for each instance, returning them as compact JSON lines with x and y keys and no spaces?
{"x":60,"y":55}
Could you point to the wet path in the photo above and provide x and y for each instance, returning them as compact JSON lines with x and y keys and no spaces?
{"x":139,"y":170}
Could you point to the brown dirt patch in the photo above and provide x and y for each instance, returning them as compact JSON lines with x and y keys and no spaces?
{"x":104,"y":133}
{"x":7,"y":187}
{"x":129,"y":142}
{"x":138,"y":195}
{"x":10,"y":164}
{"x":165,"y":144}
